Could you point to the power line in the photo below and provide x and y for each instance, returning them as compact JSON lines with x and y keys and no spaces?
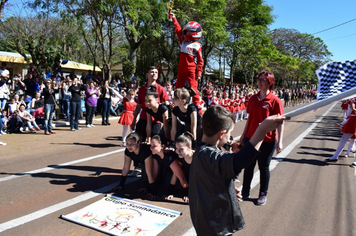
{"x":345,"y":36}
{"x":334,"y":26}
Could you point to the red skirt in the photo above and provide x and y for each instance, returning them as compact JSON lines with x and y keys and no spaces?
{"x":126,"y":118}
{"x":350,"y":126}
{"x":344,"y":106}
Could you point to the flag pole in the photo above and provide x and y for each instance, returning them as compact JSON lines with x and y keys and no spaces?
{"x":321,"y":103}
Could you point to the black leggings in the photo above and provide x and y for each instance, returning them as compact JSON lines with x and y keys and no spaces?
{"x":264,"y":160}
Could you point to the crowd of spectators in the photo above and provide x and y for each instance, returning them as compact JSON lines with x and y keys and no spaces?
{"x":52,"y":96}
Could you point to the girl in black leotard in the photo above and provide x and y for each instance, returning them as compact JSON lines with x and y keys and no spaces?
{"x":139,"y":153}
{"x":185,"y":116}
{"x":160,"y":112}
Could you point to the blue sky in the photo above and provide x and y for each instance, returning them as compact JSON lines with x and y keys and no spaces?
{"x":311,"y":16}
{"x":306,"y":16}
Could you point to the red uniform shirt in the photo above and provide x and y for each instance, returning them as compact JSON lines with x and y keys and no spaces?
{"x":225,"y":102}
{"x":162,"y":97}
{"x":214,"y":101}
{"x":261,"y":109}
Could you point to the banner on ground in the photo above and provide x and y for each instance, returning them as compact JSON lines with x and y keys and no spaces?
{"x":335,"y":78}
{"x":120,"y":216}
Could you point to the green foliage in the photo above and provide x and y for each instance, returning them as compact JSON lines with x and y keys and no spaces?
{"x":299,"y":55}
{"x":128,"y":68}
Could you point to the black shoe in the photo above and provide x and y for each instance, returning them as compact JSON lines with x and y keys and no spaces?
{"x":245,"y":196}
{"x":107,"y":123}
{"x":331,"y":160}
{"x":104,"y":123}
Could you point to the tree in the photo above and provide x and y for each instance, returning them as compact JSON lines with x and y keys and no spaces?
{"x":248,"y":44}
{"x":2,"y":6}
{"x":291,"y":42}
{"x":38,"y":39}
{"x":303,"y":52}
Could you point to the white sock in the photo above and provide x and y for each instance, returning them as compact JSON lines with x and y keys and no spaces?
{"x":125,"y":129}
{"x":341,"y":145}
{"x":352,"y":142}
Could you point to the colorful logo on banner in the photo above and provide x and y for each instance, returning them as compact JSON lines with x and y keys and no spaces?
{"x":121,"y":216}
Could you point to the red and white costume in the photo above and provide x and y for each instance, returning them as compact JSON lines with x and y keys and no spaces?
{"x":188,"y":70}
{"x":127,"y":117}
{"x":225,"y":102}
{"x":201,"y":106}
{"x":128,"y":113}
{"x":214,"y":101}
{"x":350,"y":126}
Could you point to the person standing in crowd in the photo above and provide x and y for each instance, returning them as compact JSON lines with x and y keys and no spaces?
{"x":106,"y":93}
{"x":75,"y":104}
{"x":127,"y":115}
{"x":262,"y":105}
{"x":49,"y":105}
{"x":4,"y":91}
{"x":152,"y":76}
{"x":91,"y":101}
{"x":67,"y":96}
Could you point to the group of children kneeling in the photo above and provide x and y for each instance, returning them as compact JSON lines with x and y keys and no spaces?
{"x":208,"y":171}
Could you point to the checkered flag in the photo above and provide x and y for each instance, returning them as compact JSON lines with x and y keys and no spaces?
{"x":335,"y":78}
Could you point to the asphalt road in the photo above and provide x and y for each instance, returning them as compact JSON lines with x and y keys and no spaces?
{"x":43,"y":177}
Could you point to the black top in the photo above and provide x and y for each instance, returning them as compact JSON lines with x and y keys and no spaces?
{"x":159,"y":114}
{"x":213,"y":203}
{"x":75,"y":91}
{"x":39,"y":103}
{"x":185,"y":117}
{"x":185,"y":168}
{"x":168,"y":159}
{"x":144,"y":152}
{"x":48,"y":95}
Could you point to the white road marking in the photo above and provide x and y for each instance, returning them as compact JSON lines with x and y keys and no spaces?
{"x":49,"y":210}
{"x":59,"y":165}
{"x":277,"y":159}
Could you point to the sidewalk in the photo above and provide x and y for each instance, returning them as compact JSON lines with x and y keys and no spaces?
{"x":63,"y":123}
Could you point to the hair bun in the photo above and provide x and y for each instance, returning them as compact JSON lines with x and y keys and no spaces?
{"x":153,"y":88}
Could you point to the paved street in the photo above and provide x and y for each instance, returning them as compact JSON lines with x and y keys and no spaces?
{"x":43,"y":177}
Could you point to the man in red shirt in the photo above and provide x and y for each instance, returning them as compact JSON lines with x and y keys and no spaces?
{"x":140,"y":127}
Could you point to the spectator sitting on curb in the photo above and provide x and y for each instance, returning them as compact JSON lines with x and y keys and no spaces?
{"x":39,"y":115}
{"x":15,"y":123}
{"x":3,"y":122}
{"x":28,"y":119}
{"x":115,"y":103}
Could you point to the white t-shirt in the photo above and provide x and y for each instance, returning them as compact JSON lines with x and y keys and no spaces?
{"x":5,"y":73}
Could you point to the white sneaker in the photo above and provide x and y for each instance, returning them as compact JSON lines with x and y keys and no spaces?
{"x":3,"y":144}
{"x":88,"y":126}
{"x":21,"y":129}
{"x":92,"y":125}
{"x":3,"y":132}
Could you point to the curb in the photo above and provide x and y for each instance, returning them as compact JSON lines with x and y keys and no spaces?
{"x":81,"y":122}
